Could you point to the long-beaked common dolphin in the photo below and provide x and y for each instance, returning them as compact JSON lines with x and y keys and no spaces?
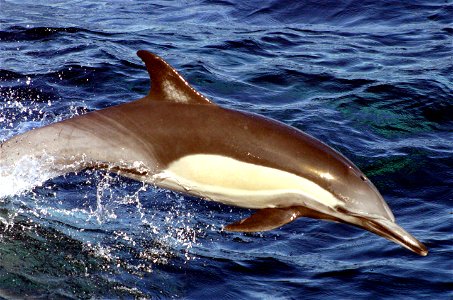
{"x":178,"y":139}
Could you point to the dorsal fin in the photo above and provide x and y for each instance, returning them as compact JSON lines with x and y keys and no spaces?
{"x":167,"y":84}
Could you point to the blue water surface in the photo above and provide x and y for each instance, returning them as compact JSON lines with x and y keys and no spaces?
{"x":373,"y":79}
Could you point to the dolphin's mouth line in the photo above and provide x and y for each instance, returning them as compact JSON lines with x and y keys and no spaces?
{"x":380,"y":226}
{"x":390,"y":231}
{"x":396,"y":234}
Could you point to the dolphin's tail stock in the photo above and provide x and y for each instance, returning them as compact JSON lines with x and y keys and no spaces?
{"x":30,"y":159}
{"x":94,"y":140}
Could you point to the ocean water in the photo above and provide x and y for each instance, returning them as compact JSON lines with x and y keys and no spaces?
{"x":373,"y":79}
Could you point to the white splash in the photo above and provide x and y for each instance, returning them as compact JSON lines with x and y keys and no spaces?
{"x":27,"y":173}
{"x":172,"y":232}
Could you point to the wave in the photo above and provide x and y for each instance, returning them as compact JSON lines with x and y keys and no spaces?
{"x":23,"y":34}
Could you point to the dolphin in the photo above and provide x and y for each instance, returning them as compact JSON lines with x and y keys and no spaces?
{"x":176,"y":138}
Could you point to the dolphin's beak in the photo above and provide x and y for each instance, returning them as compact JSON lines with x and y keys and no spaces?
{"x":392,"y":231}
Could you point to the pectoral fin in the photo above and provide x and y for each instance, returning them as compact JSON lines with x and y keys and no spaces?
{"x":265,"y":219}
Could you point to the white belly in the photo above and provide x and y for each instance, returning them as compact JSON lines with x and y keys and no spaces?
{"x":238,"y":183}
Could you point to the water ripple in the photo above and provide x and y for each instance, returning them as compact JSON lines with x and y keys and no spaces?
{"x":372,"y":79}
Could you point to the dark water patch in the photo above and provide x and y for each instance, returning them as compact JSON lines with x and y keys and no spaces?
{"x":286,"y":33}
{"x":252,"y":284}
{"x":403,"y":173}
{"x":79,"y":75}
{"x":443,"y":15}
{"x":247,"y":46}
{"x":441,"y":113}
{"x":266,"y":267}
{"x":326,"y":83}
{"x":39,"y":93}
{"x":197,"y":73}
{"x":402,"y":286}
{"x":23,"y":34}
{"x":44,"y":263}
{"x":422,"y":97}
{"x":399,"y":109}
{"x":26,"y":87}
{"x":7,"y":75}
{"x":391,"y":165}
{"x":349,"y":13}
{"x":350,"y":273}
{"x":402,"y":41}
{"x":91,"y":82}
{"x":62,"y":51}
{"x":278,"y":41}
